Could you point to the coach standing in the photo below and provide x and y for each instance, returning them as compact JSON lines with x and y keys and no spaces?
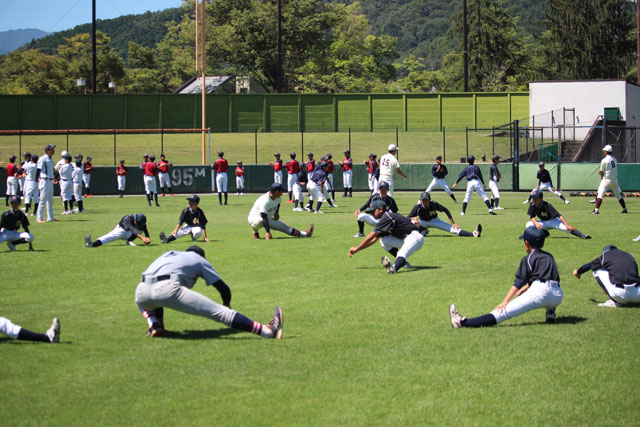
{"x":46,"y":175}
{"x":389,"y":165}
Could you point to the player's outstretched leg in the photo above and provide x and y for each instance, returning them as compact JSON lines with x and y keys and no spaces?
{"x":623,"y":204}
{"x":52,"y":335}
{"x":579,"y":234}
{"x":272,"y":330}
{"x":457,"y":321}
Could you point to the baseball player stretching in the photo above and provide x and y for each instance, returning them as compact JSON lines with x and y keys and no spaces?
{"x":45,"y":174}
{"x":347,"y":173}
{"x":86,"y":178}
{"x":544,"y":183}
{"x":31,"y":191}
{"x":167,"y":282}
{"x":163,"y":174}
{"x":192,"y":222}
{"x":76,"y":178}
{"x":493,"y":182}
{"x":439,"y":171}
{"x":129,"y":228}
{"x":389,"y":166}
{"x":363,"y":216}
{"x":301,"y":181}
{"x":425,"y":216}
{"x":315,"y":186}
{"x":277,"y":168}
{"x":474,"y":178}
{"x":537,"y":285}
{"x":239,"y":178}
{"x":373,"y":170}
{"x":17,"y":332}
{"x":609,"y":180}
{"x":265,"y":214}
{"x":400,"y":237}
{"x":617,"y":274}
{"x":121,"y":177}
{"x":292,"y":167}
{"x":549,"y":217}
{"x":221,"y":166}
{"x":10,"y":222}
{"x":12,"y":180}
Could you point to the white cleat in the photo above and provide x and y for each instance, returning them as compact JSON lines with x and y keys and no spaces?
{"x":461,"y":213}
{"x":358,"y":234}
{"x":87,"y":241}
{"x":276,"y":324}
{"x":54,"y":331}
{"x":386,"y":263}
{"x":637,"y":239}
{"x":498,"y":208}
{"x":492,"y":212}
{"x":478,"y":231}
{"x":610,"y":303}
{"x":318,"y":212}
{"x":130,"y":243}
{"x":567,"y":201}
{"x":455,"y":317}
{"x":333,"y":205}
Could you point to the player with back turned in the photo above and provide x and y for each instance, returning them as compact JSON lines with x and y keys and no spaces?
{"x":121,"y":176}
{"x":163,"y":174}
{"x":220,"y":166}
{"x":150,"y":170}
{"x":12,"y":180}
{"x":347,"y":174}
{"x":292,"y":167}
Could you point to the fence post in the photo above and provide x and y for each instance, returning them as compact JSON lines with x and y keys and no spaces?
{"x":349,"y":138}
{"x":20,"y":141}
{"x":255,"y":139}
{"x":604,"y":131}
{"x":67,"y":140}
{"x":397,"y":145}
{"x":209,"y":132}
{"x":161,"y":140}
{"x":444,"y":145}
{"x":302,"y":143}
{"x":516,"y":158}
{"x":114,"y":148}
{"x":466,"y":135}
{"x":493,"y":140}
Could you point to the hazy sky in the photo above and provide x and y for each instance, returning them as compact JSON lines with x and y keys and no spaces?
{"x":56,"y":15}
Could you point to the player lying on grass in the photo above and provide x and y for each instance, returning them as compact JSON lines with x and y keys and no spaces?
{"x":16,"y":332}
{"x":167,"y":282}
{"x":129,"y":228}
{"x":265,"y":213}
{"x":10,"y":222}
{"x":537,"y":285}
{"x":397,"y":235}
{"x":381,"y":194}
{"x":544,"y":183}
{"x":425,"y":216}
{"x":617,"y":274}
{"x":192,"y":222}
{"x":549,"y":217}
{"x":475,"y":182}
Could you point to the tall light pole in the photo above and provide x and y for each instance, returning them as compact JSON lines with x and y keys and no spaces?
{"x":465,"y":49}
{"x":94,"y":53}
{"x":201,"y":64}
{"x":279,"y":49}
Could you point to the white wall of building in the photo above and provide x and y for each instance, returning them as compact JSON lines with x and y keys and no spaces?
{"x":633,"y":105}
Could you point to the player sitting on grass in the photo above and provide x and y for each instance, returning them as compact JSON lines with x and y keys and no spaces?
{"x":549,"y":217}
{"x":617,"y":274}
{"x":192,"y":222}
{"x":129,"y":228}
{"x":16,"y":332}
{"x":167,"y":282}
{"x":363,"y":216}
{"x":265,"y":213}
{"x":400,"y":237}
{"x":425,"y":216}
{"x":10,"y":222}
{"x":537,"y":285}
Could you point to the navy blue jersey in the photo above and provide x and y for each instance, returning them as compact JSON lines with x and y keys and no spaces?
{"x":428,"y":213}
{"x":621,"y":266}
{"x":193,"y":218}
{"x":538,"y":265}
{"x":471,"y":172}
{"x":394,"y":224}
{"x":301,"y":177}
{"x":495,"y":173}
{"x":544,"y":176}
{"x":389,"y":201}
{"x":545,"y":211}
{"x":439,"y":173}
{"x":318,"y":175}
{"x":12,"y":221}
{"x":128,"y":223}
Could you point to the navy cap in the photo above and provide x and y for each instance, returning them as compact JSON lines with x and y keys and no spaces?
{"x":26,"y":154}
{"x":347,"y":151}
{"x":196,"y":249}
{"x":292,"y":154}
{"x":89,"y":157}
{"x":608,"y":248}
{"x":309,"y":153}
{"x":34,"y":158}
{"x":121,"y":160}
{"x":541,"y":164}
{"x":425,"y":196}
{"x":276,"y":187}
{"x":67,"y":157}
{"x":49,"y":147}
{"x":12,"y":158}
{"x":534,"y":236}
{"x":220,"y":153}
{"x":471,"y":159}
{"x":151,"y":157}
{"x":496,"y":157}
{"x":377,"y":204}
{"x":383,"y":184}
{"x":329,"y":155}
{"x":140,"y":218}
{"x":438,"y":157}
{"x":14,"y":199}
{"x":194,"y":198}
{"x":536,"y":194}
{"x":277,"y":155}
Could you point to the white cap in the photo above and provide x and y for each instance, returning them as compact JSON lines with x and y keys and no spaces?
{"x":392,"y":147}
{"x":64,"y":154}
{"x":608,"y":149}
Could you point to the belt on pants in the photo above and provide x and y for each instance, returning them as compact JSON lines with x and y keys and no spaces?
{"x":634,"y":285}
{"x":552,"y":283}
{"x":154,"y":279}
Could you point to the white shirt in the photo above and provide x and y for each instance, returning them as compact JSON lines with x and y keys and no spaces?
{"x":265,"y":204}
{"x":30,"y":169}
{"x":66,"y":171}
{"x":59,"y":164}
{"x":46,"y":166}
{"x":609,"y":166}
{"x":388,"y":165}
{"x":77,"y":174}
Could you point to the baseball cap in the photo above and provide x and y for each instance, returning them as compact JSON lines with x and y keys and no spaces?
{"x":277,"y":155}
{"x":541,"y":164}
{"x":121,"y":160}
{"x":276,"y":187}
{"x":239,"y":162}
{"x":78,"y":156}
{"x":377,"y":204}
{"x":89,"y":157}
{"x":439,"y":157}
{"x":64,"y":154}
{"x":534,"y":236}
{"x":392,"y":147}
{"x":194,"y":198}
{"x":196,"y":249}
{"x":152,"y":157}
{"x":145,"y":155}
{"x":425,"y":196}
{"x":372,"y":155}
{"x":496,"y":157}
{"x":12,"y":158}
{"x":34,"y":158}
{"x":141,"y":218}
{"x":67,"y":157}
{"x":49,"y":147}
{"x":309,"y":153}
{"x":26,"y":154}
{"x":329,"y":156}
{"x":14,"y":199}
{"x":323,"y":164}
{"x":383,"y":184}
{"x":347,"y":151}
{"x":537,"y":194}
{"x":608,"y":148}
{"x":292,"y":154}
{"x":471,"y":159}
{"x":220,"y":153}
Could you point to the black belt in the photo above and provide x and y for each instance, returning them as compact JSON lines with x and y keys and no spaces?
{"x":623,"y":286}
{"x":156,"y":278}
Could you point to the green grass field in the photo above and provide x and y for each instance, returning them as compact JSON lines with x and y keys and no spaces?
{"x":360,"y":347}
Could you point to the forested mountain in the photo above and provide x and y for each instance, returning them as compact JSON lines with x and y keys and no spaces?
{"x":13,"y":39}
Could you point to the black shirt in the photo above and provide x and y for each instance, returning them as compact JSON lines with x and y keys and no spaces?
{"x":544,"y":177}
{"x":538,"y":265}
{"x":430,"y":213}
{"x":440,"y":173}
{"x":193,"y":218}
{"x":394,"y":224}
{"x":545,"y":211}
{"x":621,"y":266}
{"x":391,"y":204}
{"x":11,"y":220}
{"x":495,"y":173}
{"x":127,"y":223}
{"x":471,"y":172}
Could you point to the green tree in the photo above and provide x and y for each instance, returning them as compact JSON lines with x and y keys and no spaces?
{"x":25,"y":72}
{"x":415,"y":78}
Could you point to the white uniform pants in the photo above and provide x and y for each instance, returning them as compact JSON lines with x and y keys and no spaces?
{"x":406,"y":246}
{"x":195,"y":232}
{"x":626,"y":294}
{"x":66,"y":189}
{"x":221,"y":182}
{"x":291,"y":181}
{"x":239,"y":182}
{"x":547,"y":186}
{"x":328,"y":184}
{"x":439,"y":182}
{"x":86,"y":178}
{"x":256,"y":224}
{"x":277,"y":177}
{"x":370,"y":181}
{"x":347,"y":178}
{"x":77,"y":191}
{"x":387,"y":179}
{"x":476,"y":185}
{"x":9,"y":329}
{"x":31,"y":191}
{"x":12,"y":186}
{"x":550,"y":224}
{"x":21,"y":184}
{"x":170,"y":294}
{"x":149,"y":184}
{"x":440,"y":225}
{"x":606,"y":184}
{"x":12,"y":236}
{"x":368,"y":218}
{"x":117,"y":233}
{"x":46,"y":199}
{"x":122,"y":181}
{"x":297,"y":193}
{"x":315,"y":191}
{"x":539,"y":295}
{"x":494,"y":189}
{"x":163,"y":177}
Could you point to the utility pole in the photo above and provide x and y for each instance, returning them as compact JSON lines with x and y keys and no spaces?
{"x":638,"y":36}
{"x":94,"y":53}
{"x":201,"y":65}
{"x":465,"y":51}
{"x":279,"y":48}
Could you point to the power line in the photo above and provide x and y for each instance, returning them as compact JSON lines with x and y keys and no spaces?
{"x":63,"y":16}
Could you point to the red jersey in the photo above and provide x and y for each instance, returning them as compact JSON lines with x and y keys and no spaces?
{"x":311,"y":165}
{"x":373,"y":165}
{"x":239,"y":170}
{"x":121,"y":170}
{"x":331,"y":166}
{"x":12,"y":170}
{"x":292,"y":166}
{"x":277,"y":165}
{"x":150,"y":169}
{"x":163,"y":166}
{"x":88,"y":167}
{"x":220,"y":166}
{"x":347,"y":164}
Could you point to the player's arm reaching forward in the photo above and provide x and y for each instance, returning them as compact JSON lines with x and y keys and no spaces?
{"x":446,"y":211}
{"x":366,"y":242}
{"x":129,"y":225}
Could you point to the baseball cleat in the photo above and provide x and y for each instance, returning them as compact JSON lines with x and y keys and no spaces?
{"x":289,"y":201}
{"x":455,"y":201}
{"x":386,"y":262}
{"x":87,"y":241}
{"x":54,"y":331}
{"x":461,"y":213}
{"x":156,"y":330}
{"x":408,"y":265}
{"x":276,"y":324}
{"x":173,"y":195}
{"x":163,"y":237}
{"x":610,"y":303}
{"x":637,"y":239}
{"x":358,"y":234}
{"x":309,"y":231}
{"x":525,"y":202}
{"x":256,"y":236}
{"x":586,"y":237}
{"x":392,"y":269}
{"x":455,"y":317}
{"x":333,"y":205}
{"x":592,"y":201}
{"x":624,"y":211}
{"x":492,"y":212}
{"x":12,"y":247}
{"x":478,"y":231}
{"x":594,"y":212}
{"x":499,"y":208}
{"x":567,"y":201}
{"x":551,"y":315}
{"x":130,"y":243}
{"x":318,"y":212}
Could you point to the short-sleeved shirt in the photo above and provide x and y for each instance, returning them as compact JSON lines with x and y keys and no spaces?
{"x":537,"y":265}
{"x":188,"y":266}
{"x":494,"y":173}
{"x":373,"y":166}
{"x":347,"y":164}
{"x":127,"y":223}
{"x":277,"y":165}
{"x":609,"y":167}
{"x":292,"y":166}
{"x":439,"y":173}
{"x":220,"y":166}
{"x":301,"y":177}
{"x":388,"y":165}
{"x":121,"y":170}
{"x":77,"y":174}
{"x":544,"y":176}
{"x":311,"y":165}
{"x":59,"y":164}
{"x":66,"y":172}
{"x":193,"y":218}
{"x":621,"y":266}
{"x":163,"y":166}
{"x":150,"y":169}
{"x":318,"y":176}
{"x":265,"y":205}
{"x":428,"y":213}
{"x":331,"y":167}
{"x":545,"y":211}
{"x":471,"y":172}
{"x":30,"y":169}
{"x":394,"y":224}
{"x":46,"y":167}
{"x":88,"y":167}
{"x":12,"y":170}
{"x":239,"y":171}
{"x":12,"y":221}
{"x":389,"y":201}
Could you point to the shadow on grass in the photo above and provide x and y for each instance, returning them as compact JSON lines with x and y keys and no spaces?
{"x":414,"y":268}
{"x":7,"y":340}
{"x":563,"y":320}
{"x":628,"y":305}
{"x":202,"y":334}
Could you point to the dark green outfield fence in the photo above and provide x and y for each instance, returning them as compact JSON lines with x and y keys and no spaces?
{"x":265,"y":112}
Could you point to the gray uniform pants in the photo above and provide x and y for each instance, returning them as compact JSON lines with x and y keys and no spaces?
{"x":170,"y":294}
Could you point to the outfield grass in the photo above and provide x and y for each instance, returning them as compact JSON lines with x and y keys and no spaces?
{"x":360,"y":346}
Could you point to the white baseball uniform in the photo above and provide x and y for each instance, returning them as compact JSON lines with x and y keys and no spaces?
{"x":46,"y":188}
{"x":66,"y":183}
{"x":388,"y":166}
{"x":76,"y":178}
{"x":609,"y":168}
{"x":266,"y":205}
{"x":30,"y":184}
